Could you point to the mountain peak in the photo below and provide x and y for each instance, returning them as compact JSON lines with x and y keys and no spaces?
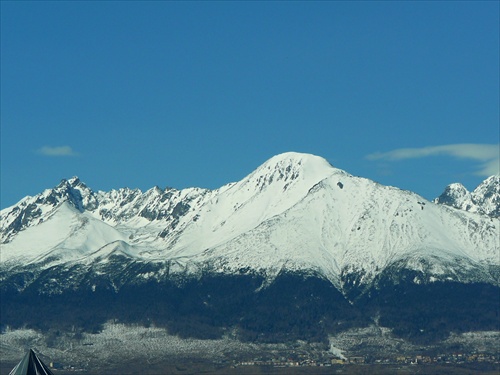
{"x":303,"y":160}
{"x":74,"y":181}
{"x":487,"y":195}
{"x":485,"y":199}
{"x":291,"y":166}
{"x":489,"y":187}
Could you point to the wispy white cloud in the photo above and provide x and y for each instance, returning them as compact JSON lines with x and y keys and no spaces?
{"x":57,"y":151}
{"x":488,"y":155}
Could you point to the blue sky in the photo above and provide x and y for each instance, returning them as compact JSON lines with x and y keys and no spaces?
{"x":185,"y":94}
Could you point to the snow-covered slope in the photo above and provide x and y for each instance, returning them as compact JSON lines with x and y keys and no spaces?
{"x":66,"y":234}
{"x":295,"y":212}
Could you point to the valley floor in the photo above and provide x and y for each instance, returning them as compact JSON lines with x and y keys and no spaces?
{"x":126,"y":350}
{"x":208,"y":369}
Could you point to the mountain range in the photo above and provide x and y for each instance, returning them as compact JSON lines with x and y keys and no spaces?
{"x":296,"y":249}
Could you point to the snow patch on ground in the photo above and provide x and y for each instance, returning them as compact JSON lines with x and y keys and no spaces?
{"x":337,"y":352}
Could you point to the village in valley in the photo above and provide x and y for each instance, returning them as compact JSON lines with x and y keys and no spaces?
{"x":303,"y":360}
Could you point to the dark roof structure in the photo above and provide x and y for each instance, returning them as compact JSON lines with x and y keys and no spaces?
{"x":31,"y":365}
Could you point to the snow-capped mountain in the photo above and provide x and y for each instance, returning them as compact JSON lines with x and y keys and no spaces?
{"x":296,"y":250}
{"x":295,"y":212}
{"x":485,"y":198}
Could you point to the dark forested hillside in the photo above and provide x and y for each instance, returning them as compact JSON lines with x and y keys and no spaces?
{"x":292,"y":307}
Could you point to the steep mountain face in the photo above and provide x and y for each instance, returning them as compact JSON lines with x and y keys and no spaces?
{"x":294,"y":232}
{"x":485,"y":199}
